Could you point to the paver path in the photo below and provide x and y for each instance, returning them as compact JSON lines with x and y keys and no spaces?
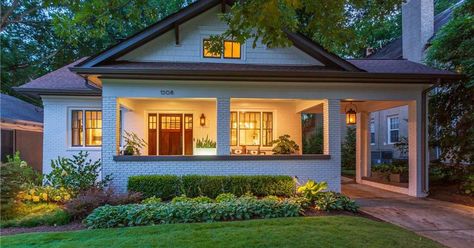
{"x":448,"y":223}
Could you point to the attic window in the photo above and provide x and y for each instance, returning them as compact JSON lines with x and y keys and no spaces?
{"x":232,"y":50}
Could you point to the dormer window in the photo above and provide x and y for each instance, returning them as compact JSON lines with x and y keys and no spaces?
{"x":232,"y":50}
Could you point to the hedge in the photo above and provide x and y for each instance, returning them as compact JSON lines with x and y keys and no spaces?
{"x":166,"y":186}
{"x":186,"y":212}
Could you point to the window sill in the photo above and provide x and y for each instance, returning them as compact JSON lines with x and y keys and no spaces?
{"x":122,"y":158}
{"x":84,"y":148}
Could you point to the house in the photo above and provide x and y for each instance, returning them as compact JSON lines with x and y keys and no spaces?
{"x":164,"y":85}
{"x":22,"y":130}
{"x":387,"y":127}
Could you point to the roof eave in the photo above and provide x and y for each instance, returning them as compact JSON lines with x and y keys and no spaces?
{"x":37,"y":92}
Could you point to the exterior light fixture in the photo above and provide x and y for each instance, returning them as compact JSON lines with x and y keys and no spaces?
{"x":351,"y":114}
{"x":202,"y":120}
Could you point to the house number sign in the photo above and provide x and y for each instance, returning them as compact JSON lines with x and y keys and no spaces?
{"x":167,"y":92}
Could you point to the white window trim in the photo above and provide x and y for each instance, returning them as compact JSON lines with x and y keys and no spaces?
{"x":69,"y":130}
{"x":206,"y":35}
{"x":261,"y":125}
{"x":372,"y":122}
{"x":389,"y":129}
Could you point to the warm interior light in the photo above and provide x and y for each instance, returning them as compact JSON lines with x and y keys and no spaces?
{"x":351,"y":116}
{"x":202,"y":120}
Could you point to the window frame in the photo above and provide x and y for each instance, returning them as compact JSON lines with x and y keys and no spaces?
{"x":204,"y":50}
{"x":222,"y":54}
{"x":390,"y":129}
{"x":240,"y":49}
{"x":372,"y":132}
{"x":261,"y":130}
{"x":83,"y":139}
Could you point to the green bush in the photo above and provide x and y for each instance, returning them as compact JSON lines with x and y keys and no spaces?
{"x":311,"y":189}
{"x":242,"y":208}
{"x":152,"y":200}
{"x":225,"y":197}
{"x":199,"y":199}
{"x":167,"y":187}
{"x":39,"y":214}
{"x":328,"y":201}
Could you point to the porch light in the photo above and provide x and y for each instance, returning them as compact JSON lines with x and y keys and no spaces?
{"x":351,"y":114}
{"x":202,"y":120}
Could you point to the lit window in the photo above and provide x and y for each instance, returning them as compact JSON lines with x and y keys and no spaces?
{"x":231,"y":50}
{"x":393,"y":129}
{"x":251,"y":128}
{"x":207,"y":53}
{"x":372,"y":132}
{"x":88,"y":122}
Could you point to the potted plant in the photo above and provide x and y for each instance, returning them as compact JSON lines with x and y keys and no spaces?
{"x":205,"y":146}
{"x":381,"y":171}
{"x":284,"y":145}
{"x":399,"y":174}
{"x":133,"y":144}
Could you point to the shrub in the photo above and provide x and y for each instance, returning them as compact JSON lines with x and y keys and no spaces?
{"x":76,"y":174}
{"x":167,"y":187}
{"x":199,"y":199}
{"x":311,"y":189}
{"x":152,"y":200}
{"x":30,"y":215}
{"x":467,"y":185}
{"x":327,"y":201}
{"x":185,"y":212}
{"x":284,"y":145}
{"x":164,"y":186}
{"x":84,"y":203}
{"x":37,"y":194}
{"x":225,"y":197}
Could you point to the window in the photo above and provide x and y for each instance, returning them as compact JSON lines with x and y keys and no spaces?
{"x":393,"y":129}
{"x":88,"y":122}
{"x":232,"y":50}
{"x":372,"y":132}
{"x":251,"y":128}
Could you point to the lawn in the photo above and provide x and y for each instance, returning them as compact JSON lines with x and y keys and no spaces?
{"x":329,"y":231}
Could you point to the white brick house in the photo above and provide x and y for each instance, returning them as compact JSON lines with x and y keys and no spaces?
{"x":160,"y":82}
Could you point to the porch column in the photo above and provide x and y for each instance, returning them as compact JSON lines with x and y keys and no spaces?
{"x":110,"y":126}
{"x":332,"y":135}
{"x":414,"y":149}
{"x":362,"y":146}
{"x":223,"y":126}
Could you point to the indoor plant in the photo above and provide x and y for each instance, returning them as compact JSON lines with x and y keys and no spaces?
{"x":133,"y":144}
{"x":205,"y":146}
{"x":284,"y":145}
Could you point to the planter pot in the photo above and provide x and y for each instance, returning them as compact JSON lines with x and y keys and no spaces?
{"x":205,"y":151}
{"x":399,"y":178}
{"x":379,"y":175}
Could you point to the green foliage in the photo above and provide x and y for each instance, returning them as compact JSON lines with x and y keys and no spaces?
{"x":384,"y":168}
{"x":133,"y":143}
{"x":37,"y":193}
{"x":467,"y":186}
{"x":225,"y":197}
{"x":402,"y":146}
{"x":311,"y":189}
{"x":450,"y":107}
{"x":15,"y":176}
{"x":32,"y":214}
{"x":83,"y":204}
{"x":327,"y":201}
{"x":168,"y":186}
{"x":314,"y":144}
{"x":205,"y":143}
{"x":76,"y":174}
{"x":152,"y":200}
{"x":199,"y":199}
{"x":165,"y":187}
{"x":284,"y":145}
{"x":348,"y":149}
{"x":243,"y":208}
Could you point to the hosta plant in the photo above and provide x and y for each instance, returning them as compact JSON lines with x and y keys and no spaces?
{"x":311,"y":189}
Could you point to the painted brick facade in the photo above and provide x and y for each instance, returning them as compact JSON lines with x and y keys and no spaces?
{"x":223,"y":126}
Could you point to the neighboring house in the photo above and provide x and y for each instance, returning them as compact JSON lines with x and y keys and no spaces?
{"x":388,"y":126}
{"x":163,"y":85}
{"x":22,"y":130}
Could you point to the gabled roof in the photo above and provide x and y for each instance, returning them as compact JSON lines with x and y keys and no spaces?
{"x":16,"y":110}
{"x":394,"y":49}
{"x":300,"y":41}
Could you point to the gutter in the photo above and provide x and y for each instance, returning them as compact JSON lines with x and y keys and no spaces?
{"x":36,"y":92}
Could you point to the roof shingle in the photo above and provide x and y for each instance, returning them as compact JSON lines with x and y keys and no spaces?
{"x":14,"y":109}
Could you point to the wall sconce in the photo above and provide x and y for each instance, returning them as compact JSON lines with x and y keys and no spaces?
{"x":202,"y":120}
{"x":351,"y":114}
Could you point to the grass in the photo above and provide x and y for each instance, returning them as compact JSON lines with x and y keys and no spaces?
{"x":328,"y":231}
{"x":36,"y":214}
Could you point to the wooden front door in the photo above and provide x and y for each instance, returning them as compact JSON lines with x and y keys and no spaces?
{"x":188,"y":134}
{"x":171,"y":132}
{"x":152,"y":133}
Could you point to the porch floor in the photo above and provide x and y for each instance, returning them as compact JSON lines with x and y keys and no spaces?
{"x":448,"y":223}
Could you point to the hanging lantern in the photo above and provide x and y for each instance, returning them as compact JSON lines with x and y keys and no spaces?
{"x":351,"y":114}
{"x":202,"y":120}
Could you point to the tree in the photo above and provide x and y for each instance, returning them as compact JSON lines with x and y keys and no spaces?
{"x":348,"y":150}
{"x":451,"y":105}
{"x":314,"y":144}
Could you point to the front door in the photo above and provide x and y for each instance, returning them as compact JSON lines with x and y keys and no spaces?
{"x":171,"y":134}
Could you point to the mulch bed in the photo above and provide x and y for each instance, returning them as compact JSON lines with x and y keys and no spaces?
{"x":450,"y":193}
{"x":17,"y":230}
